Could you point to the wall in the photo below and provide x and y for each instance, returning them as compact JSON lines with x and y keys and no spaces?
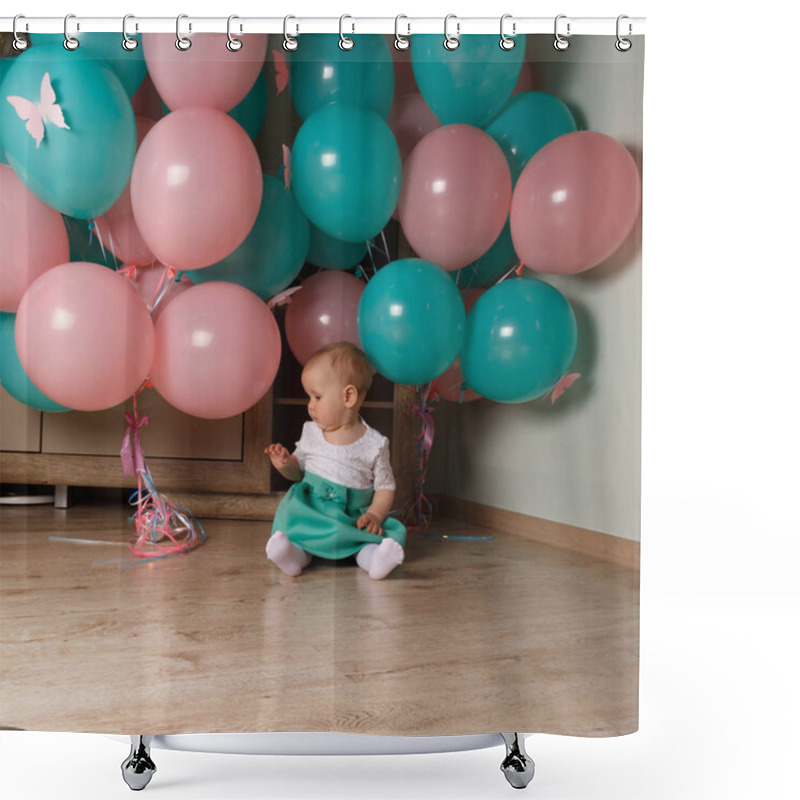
{"x":578,"y":461}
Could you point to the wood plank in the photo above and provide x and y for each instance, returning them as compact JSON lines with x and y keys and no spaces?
{"x":404,"y":444}
{"x":465,"y":637}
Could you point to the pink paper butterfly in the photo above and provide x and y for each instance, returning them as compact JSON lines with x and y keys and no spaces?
{"x":287,"y":166}
{"x":281,"y":70}
{"x":35,"y":114}
{"x":562,"y":385}
{"x":283,"y":298}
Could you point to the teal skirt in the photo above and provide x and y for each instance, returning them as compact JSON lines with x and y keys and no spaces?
{"x":320,"y":516}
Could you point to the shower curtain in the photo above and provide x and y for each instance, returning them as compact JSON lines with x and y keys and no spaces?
{"x":184,"y":223}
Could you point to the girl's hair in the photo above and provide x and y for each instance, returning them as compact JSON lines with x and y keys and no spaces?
{"x":348,"y":362}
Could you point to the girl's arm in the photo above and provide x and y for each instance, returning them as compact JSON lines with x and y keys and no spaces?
{"x":292,"y":470}
{"x":374,"y":516}
{"x":286,"y":464}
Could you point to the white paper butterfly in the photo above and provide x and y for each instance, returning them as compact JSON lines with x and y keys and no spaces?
{"x":35,"y":114}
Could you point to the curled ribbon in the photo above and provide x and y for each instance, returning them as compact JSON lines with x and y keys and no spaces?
{"x":133,"y":456}
{"x":428,"y":427}
{"x":129,"y":272}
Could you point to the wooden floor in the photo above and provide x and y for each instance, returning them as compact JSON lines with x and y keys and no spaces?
{"x":465,"y":637}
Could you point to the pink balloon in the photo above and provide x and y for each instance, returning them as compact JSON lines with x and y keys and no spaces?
{"x":196,"y":187}
{"x":404,"y":80}
{"x":33,"y":239}
{"x":525,"y":80}
{"x":84,"y":336}
{"x":218,"y":348}
{"x":455,"y":196}
{"x":575,"y":203}
{"x":410,"y":118}
{"x":450,"y":384}
{"x":207,"y":75}
{"x":324,"y":311}
{"x":154,"y":286}
{"x":146,"y":102}
{"x":117,"y":227}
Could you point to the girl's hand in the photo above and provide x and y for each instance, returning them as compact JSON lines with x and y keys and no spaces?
{"x":278,"y":455}
{"x":371,"y":522}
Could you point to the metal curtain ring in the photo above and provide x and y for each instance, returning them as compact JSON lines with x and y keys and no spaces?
{"x":233,"y":44}
{"x":289,"y":43}
{"x":623,"y":45}
{"x":506,"y":42}
{"x":451,"y":42}
{"x":345,"y":42}
{"x":19,"y":43}
{"x":401,"y":42}
{"x":70,"y":42}
{"x":182,"y":42}
{"x":127,"y":42}
{"x":560,"y":42}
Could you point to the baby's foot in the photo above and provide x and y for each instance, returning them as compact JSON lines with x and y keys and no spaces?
{"x":291,"y":559}
{"x":382,"y":559}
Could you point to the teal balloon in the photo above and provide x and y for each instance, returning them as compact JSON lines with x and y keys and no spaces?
{"x":329,"y":253}
{"x":526,"y":124}
{"x":411,"y":321}
{"x":468,"y":85}
{"x":128,"y":65}
{"x":321,"y":72}
{"x":273,"y":253}
{"x":346,"y":171}
{"x":5,"y":63}
{"x":13,"y":377}
{"x":491,"y":266}
{"x":250,"y":112}
{"x":521,"y":338}
{"x":80,"y":171}
{"x":84,"y":244}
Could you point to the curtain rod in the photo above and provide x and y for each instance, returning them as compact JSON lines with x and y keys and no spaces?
{"x":566,"y":25}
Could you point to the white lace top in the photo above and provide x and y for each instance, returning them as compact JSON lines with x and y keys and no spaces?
{"x":362,"y":464}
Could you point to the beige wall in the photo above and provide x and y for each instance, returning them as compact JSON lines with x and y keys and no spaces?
{"x":577,"y":461}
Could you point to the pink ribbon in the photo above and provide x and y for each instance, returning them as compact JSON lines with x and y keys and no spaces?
{"x":428,"y":427}
{"x":133,"y":457}
{"x":129,"y":272}
{"x":562,"y":385}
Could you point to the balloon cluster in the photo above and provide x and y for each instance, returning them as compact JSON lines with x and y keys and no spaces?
{"x":482,"y":172}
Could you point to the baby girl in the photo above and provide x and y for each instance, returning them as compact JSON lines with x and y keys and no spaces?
{"x":344,"y":488}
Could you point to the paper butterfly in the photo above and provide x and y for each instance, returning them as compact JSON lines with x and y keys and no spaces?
{"x":562,"y":385}
{"x":281,"y":70}
{"x":35,"y":114}
{"x":283,"y":298}
{"x":287,"y":166}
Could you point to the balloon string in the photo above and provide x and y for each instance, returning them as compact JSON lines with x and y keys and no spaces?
{"x":93,"y":228}
{"x":372,"y":259}
{"x":420,"y":509}
{"x":162,"y":528}
{"x":517,"y":268}
{"x":110,"y":235}
{"x":163,"y":285}
{"x":385,"y":245}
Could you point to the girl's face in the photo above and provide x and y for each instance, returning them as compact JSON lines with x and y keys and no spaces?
{"x":327,"y":404}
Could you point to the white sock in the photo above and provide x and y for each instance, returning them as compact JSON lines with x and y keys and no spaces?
{"x":291,"y":559}
{"x":380,"y":559}
{"x":364,"y":556}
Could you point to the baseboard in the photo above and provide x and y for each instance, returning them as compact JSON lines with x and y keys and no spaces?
{"x":613,"y":549}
